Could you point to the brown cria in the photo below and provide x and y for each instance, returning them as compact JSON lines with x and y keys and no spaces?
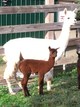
{"x":28,"y":66}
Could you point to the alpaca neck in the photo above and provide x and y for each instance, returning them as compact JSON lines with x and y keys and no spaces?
{"x":63,"y":39}
{"x":64,"y":36}
{"x":51,"y":62}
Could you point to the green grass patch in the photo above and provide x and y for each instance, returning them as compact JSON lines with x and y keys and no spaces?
{"x":64,"y":93}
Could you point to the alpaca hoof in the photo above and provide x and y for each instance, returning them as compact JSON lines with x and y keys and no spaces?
{"x":48,"y":89}
{"x":27,"y":95}
{"x":79,"y":87}
{"x":41,"y":93}
{"x":12,"y":93}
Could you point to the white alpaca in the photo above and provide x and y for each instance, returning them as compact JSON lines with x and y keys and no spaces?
{"x":28,"y":46}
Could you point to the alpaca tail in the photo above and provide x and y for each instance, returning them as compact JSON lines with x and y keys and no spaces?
{"x":19,"y":74}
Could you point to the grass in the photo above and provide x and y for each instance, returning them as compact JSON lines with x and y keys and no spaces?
{"x":64,"y":93}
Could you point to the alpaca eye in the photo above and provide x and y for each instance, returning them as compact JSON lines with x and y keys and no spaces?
{"x":68,"y":17}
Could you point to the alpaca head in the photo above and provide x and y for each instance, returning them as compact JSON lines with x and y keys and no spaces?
{"x":70,"y":16}
{"x":53,"y":52}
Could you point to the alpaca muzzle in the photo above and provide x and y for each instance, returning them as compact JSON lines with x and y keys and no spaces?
{"x":54,"y":54}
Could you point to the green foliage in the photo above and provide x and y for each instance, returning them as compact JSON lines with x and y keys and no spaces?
{"x":64,"y":93}
{"x":77,"y":1}
{"x":78,"y":13}
{"x":1,"y":60}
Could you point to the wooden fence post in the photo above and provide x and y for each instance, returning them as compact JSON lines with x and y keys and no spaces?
{"x":78,"y":32}
{"x":49,"y":18}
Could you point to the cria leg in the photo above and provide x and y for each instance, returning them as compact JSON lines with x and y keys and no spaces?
{"x":41,"y":83}
{"x":24,"y":84}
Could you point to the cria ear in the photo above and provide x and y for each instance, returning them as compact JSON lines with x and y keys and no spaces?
{"x":65,"y":11}
{"x":57,"y":48}
{"x":49,"y":48}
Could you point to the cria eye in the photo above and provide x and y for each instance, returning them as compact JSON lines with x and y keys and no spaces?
{"x":68,"y":17}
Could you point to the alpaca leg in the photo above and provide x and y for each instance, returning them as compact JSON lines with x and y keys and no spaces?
{"x":48,"y":85}
{"x":8,"y":74}
{"x":9,"y":87}
{"x":15,"y":76}
{"x":41,"y":83}
{"x":24,"y":85}
{"x":19,"y":84}
{"x":17,"y":81}
{"x":48,"y":77}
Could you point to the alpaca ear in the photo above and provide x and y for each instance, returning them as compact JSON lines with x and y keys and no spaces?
{"x":75,"y":10}
{"x":49,"y":48}
{"x":57,"y":48}
{"x":65,"y":11}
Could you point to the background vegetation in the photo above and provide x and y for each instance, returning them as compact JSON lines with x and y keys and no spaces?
{"x":78,"y":13}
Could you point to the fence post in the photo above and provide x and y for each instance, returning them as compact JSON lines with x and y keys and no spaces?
{"x":49,"y":18}
{"x":78,"y":32}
